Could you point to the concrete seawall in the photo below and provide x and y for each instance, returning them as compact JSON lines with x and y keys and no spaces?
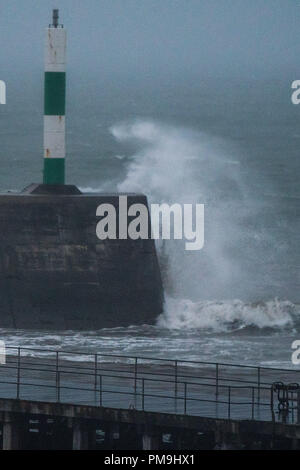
{"x":56,"y":274}
{"x":36,"y":425}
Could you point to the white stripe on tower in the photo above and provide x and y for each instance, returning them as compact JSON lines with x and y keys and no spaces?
{"x":54,"y":106}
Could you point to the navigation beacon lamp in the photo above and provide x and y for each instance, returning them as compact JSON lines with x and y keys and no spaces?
{"x":54,"y":103}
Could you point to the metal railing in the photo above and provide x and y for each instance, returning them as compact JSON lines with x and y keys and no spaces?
{"x":198,"y":388}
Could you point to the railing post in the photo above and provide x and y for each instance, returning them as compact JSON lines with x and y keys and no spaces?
{"x":143,"y":394}
{"x":252,"y":411}
{"x":175,"y":379}
{"x":258,"y":384}
{"x":18,"y":373}
{"x":100,"y":384}
{"x":185,"y":396}
{"x":96,"y":370}
{"x":58,"y":387}
{"x":135,"y":377}
{"x":229,"y":401}
{"x":56,"y":371}
{"x":298,"y":406}
{"x":217,"y":381}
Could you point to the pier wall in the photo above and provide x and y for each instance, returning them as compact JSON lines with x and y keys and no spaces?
{"x":38,"y":425}
{"x":56,"y":274}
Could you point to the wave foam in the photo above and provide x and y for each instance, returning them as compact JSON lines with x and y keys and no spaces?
{"x":227,"y":315}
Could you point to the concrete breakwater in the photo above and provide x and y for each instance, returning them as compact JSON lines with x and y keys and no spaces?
{"x":56,"y":274}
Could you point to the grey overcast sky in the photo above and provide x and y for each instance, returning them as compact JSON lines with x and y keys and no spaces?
{"x":149,"y":38}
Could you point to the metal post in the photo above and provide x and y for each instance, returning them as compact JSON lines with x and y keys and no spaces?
{"x":18,"y":373}
{"x":100,"y":379}
{"x":229,"y":399}
{"x":55,"y":18}
{"x":143,"y":394}
{"x":252,"y":412}
{"x":258,"y":384}
{"x":175,"y":379}
{"x":135,"y":376}
{"x":96,"y":370}
{"x":217,"y":381}
{"x":56,"y":372}
{"x":58,"y":387}
{"x":298,"y":406}
{"x":185,"y":394}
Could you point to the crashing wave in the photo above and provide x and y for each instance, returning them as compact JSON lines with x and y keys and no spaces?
{"x":228,"y":315}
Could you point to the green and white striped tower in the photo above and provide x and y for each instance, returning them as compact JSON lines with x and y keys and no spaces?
{"x":54,"y":104}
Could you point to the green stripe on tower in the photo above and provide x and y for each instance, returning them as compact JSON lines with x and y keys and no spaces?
{"x":55,"y":94}
{"x":54,"y":171}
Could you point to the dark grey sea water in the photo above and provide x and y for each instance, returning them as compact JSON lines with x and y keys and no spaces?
{"x":232,"y":145}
